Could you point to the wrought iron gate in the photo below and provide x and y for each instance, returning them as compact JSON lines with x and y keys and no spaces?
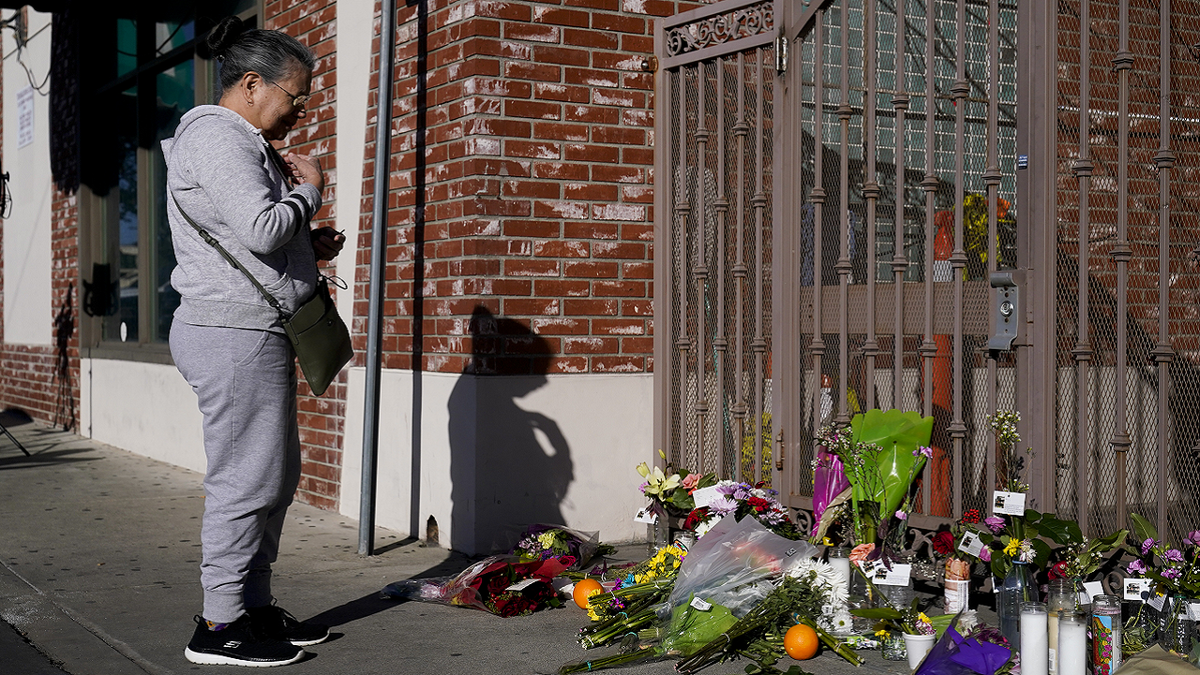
{"x":848,"y":193}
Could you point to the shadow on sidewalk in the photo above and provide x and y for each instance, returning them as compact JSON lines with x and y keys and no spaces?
{"x":374,"y":603}
{"x":45,"y":446}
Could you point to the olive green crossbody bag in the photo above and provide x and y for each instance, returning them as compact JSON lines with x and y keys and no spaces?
{"x":318,"y":334}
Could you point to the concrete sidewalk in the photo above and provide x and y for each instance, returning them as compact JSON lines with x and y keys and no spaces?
{"x":99,"y":567}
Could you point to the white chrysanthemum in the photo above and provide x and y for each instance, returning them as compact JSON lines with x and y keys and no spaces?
{"x":831,"y":579}
{"x":967,"y":622}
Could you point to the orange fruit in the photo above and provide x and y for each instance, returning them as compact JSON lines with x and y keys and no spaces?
{"x":585,"y":589}
{"x":800,"y":642}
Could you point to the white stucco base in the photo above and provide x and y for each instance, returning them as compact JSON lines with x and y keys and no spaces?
{"x":145,"y":408}
{"x":495,"y":454}
{"x":499,"y":453}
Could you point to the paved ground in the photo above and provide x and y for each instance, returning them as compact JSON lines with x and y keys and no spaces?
{"x":99,"y":558}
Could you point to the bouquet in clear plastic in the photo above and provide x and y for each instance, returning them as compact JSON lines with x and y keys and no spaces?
{"x":503,"y":585}
{"x":541,"y":542}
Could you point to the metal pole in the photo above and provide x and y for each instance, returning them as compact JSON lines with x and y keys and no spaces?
{"x":383,"y":148}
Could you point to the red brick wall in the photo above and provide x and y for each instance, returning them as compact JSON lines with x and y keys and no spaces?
{"x":313,"y":22}
{"x":539,"y":183}
{"x":44,"y":381}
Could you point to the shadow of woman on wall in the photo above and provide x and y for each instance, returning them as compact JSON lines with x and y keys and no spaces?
{"x":510,"y":466}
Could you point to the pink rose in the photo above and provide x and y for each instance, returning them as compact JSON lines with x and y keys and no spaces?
{"x":859,"y":553}
{"x":690,"y":483}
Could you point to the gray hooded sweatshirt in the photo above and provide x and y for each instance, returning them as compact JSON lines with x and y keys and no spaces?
{"x":219,"y":170}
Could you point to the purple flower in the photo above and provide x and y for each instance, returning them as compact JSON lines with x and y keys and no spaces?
{"x":643,"y":487}
{"x":1136,"y":567}
{"x":1173,"y":555}
{"x":1171,"y":573}
{"x":902,"y":515}
{"x":1147,"y":545}
{"x":994,"y":523}
{"x":1193,"y":538}
{"x":985,"y":554}
{"x":923,"y":450}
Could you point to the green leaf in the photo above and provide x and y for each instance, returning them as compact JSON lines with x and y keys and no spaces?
{"x":1142,"y":529}
{"x":898,"y":434}
{"x":879,"y":613}
{"x":1061,"y":532}
{"x":1041,"y":552}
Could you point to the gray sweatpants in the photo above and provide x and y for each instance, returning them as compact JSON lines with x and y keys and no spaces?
{"x":246,"y":384}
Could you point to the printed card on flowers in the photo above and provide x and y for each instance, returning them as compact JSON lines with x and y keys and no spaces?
{"x":1137,"y":589}
{"x":971,"y":544}
{"x":646,"y":516}
{"x":705,"y":496}
{"x":1090,"y":590}
{"x":899,"y":575}
{"x":522,"y":585}
{"x":1008,"y":503}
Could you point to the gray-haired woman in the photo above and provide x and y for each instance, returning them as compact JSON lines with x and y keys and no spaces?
{"x":223,"y":173}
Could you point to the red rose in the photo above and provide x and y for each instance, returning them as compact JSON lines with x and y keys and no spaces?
{"x":943,"y":543}
{"x":1058,"y":570}
{"x":758,"y":503}
{"x":696,"y":517}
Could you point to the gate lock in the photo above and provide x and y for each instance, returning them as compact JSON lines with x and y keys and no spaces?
{"x":1007,"y":307}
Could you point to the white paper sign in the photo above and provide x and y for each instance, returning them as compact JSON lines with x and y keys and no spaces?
{"x":700,"y":604}
{"x":522,"y":585}
{"x":1091,"y":589}
{"x":705,"y":496}
{"x":646,"y":516}
{"x":24,"y":117}
{"x":1008,"y":503}
{"x":1157,"y":601}
{"x":899,"y":575}
{"x":971,"y":544}
{"x":1137,"y":589}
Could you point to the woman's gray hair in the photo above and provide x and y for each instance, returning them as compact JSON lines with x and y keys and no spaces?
{"x":270,"y":53}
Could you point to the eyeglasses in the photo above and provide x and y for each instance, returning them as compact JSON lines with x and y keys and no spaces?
{"x":297,"y":101}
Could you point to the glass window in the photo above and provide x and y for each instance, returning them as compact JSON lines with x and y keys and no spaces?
{"x":155,"y":77}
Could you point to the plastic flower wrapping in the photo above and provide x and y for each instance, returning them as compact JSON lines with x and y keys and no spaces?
{"x":541,"y":542}
{"x":503,"y":585}
{"x":979,"y":650}
{"x":880,"y":455}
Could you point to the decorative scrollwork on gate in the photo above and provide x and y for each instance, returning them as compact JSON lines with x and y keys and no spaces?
{"x":741,"y":23}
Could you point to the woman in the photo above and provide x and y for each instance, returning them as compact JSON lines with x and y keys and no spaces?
{"x":228,"y":342}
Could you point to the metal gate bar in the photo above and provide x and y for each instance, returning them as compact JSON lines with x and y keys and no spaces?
{"x":1163,"y":353}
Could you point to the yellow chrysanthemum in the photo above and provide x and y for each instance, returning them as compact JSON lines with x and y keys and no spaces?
{"x":923,"y":618}
{"x":881,"y":633}
{"x":1011,"y":548}
{"x":546,"y":539}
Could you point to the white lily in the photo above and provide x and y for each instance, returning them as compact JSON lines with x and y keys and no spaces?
{"x":656,"y":481}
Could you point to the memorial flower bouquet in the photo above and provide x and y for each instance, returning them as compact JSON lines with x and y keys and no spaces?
{"x":881,"y":455}
{"x":670,"y":490}
{"x":503,"y":585}
{"x":1174,"y":569}
{"x":741,"y":500}
{"x":540,"y":542}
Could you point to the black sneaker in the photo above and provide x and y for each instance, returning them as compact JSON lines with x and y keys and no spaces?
{"x":239,"y":644}
{"x":277,"y":623}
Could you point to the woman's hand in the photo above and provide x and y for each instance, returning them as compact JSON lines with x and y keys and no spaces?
{"x":327,"y":242}
{"x":306,"y":169}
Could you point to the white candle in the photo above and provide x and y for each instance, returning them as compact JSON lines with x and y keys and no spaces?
{"x":1033,"y":639}
{"x":842,"y":567}
{"x":1072,"y":645}
{"x":1052,"y":642}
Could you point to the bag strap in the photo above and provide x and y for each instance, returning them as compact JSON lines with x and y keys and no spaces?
{"x":212,"y":241}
